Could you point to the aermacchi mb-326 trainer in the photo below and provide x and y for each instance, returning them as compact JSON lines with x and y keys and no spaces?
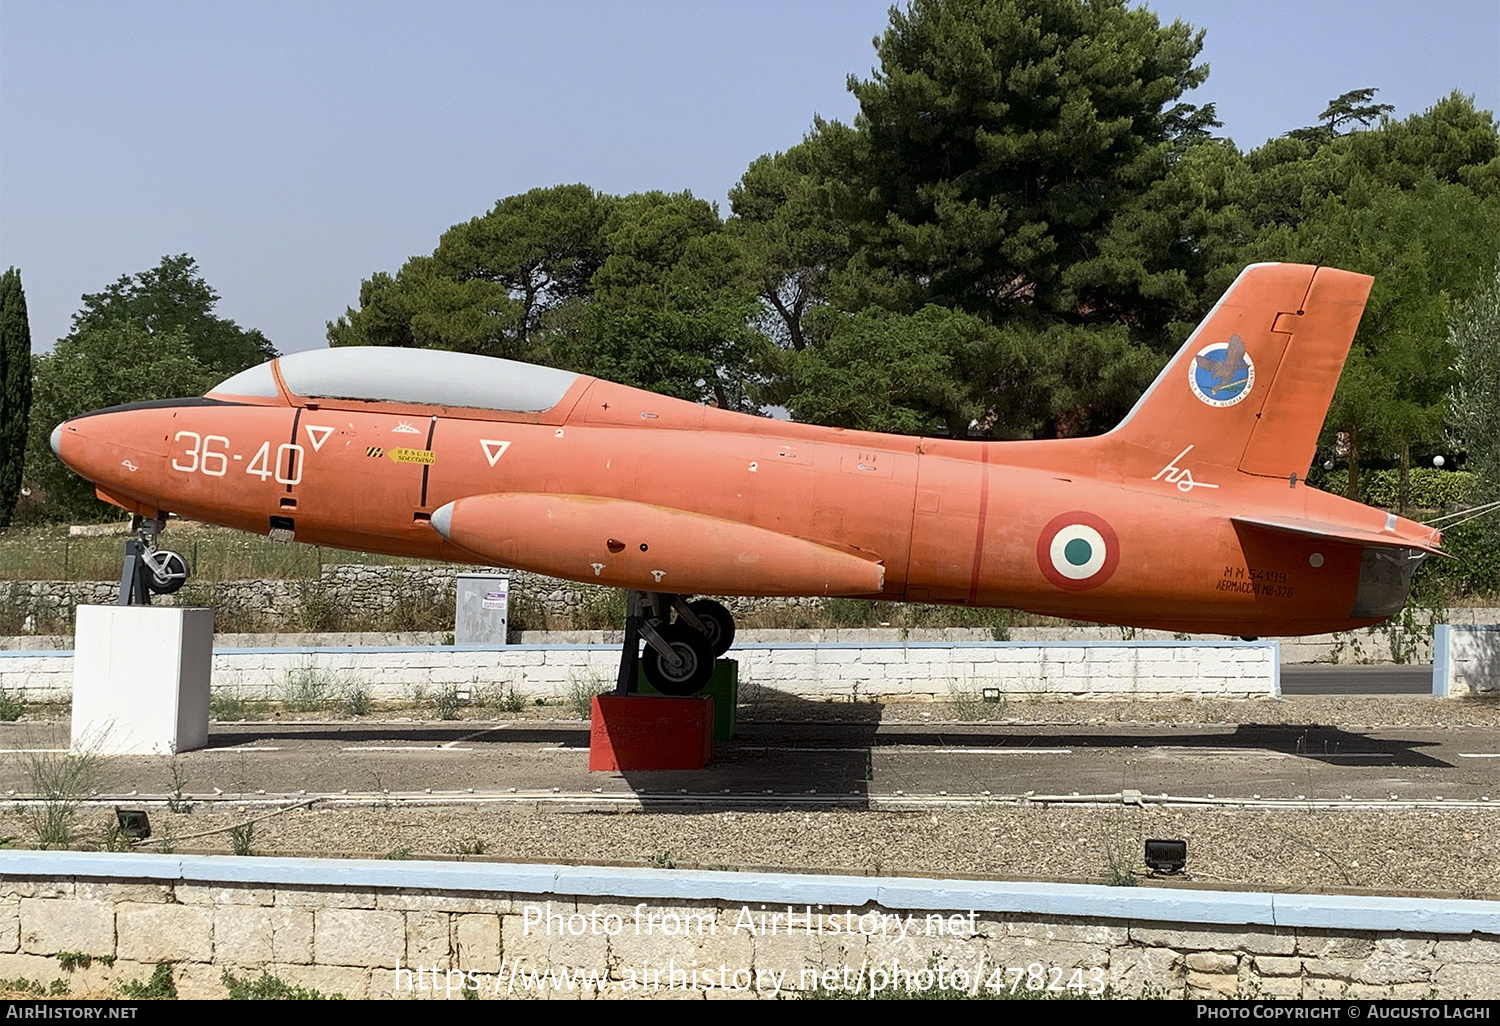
{"x":1191,"y":515}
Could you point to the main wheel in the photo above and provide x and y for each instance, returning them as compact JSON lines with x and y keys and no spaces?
{"x":168,"y":573}
{"x":695,"y":666}
{"x":718,"y":620}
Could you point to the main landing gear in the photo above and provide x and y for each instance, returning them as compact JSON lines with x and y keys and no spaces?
{"x":149,"y":570}
{"x":682,"y":641}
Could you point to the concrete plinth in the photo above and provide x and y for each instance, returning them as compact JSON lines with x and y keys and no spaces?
{"x":140,"y":679}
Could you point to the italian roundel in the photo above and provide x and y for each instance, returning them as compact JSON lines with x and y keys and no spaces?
{"x":1078,"y":551}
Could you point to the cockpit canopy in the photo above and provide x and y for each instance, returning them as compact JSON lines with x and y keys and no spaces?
{"x":423,"y":377}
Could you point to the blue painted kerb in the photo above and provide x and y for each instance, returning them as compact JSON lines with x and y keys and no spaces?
{"x":1452,"y":917}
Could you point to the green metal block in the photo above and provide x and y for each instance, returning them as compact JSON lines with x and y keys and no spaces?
{"x":724,"y":686}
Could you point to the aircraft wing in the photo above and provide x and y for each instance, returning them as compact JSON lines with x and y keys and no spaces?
{"x":625,"y":544}
{"x":1341,"y":533}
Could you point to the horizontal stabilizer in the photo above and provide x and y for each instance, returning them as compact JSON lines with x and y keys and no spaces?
{"x":637,"y":545}
{"x":1350,"y":535}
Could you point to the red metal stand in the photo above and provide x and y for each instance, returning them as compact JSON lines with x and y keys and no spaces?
{"x":642,"y":732}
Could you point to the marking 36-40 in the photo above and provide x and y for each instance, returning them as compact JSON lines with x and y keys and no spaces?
{"x":209,"y":454}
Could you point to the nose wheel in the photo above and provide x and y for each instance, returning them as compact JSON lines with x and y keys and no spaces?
{"x":682,"y":640}
{"x":148,"y":570}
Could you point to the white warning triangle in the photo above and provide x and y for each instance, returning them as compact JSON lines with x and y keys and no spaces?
{"x":317,"y":435}
{"x":493,"y":450}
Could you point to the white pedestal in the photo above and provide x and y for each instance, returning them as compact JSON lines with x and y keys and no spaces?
{"x":140,"y":679}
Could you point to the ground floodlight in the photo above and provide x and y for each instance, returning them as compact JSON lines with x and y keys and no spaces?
{"x":134,"y":823}
{"x":1166,"y":856}
{"x":991,"y":694}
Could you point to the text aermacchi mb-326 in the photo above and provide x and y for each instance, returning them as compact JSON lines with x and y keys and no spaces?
{"x":1191,"y":515}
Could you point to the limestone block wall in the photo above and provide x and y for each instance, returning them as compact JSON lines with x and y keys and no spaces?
{"x":836,"y":671}
{"x":433,"y":929}
{"x":1466,"y":660}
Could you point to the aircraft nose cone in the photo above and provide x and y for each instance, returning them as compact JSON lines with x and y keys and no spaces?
{"x":57,"y":440}
{"x":442,"y":519}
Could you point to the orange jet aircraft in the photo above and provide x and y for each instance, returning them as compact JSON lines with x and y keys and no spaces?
{"x":1191,"y":515}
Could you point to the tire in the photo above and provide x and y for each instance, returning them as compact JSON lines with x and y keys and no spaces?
{"x":718,"y":620}
{"x":698,"y":664}
{"x":174,"y":573}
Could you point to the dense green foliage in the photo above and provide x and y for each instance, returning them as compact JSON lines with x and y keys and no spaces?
{"x":1475,"y":340}
{"x":151,"y":335}
{"x":173,"y":296}
{"x":94,"y":368}
{"x":15,"y":389}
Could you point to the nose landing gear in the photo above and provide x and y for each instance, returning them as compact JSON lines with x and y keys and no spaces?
{"x":148,"y":570}
{"x":680,"y":649}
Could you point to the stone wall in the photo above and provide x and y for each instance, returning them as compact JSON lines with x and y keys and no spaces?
{"x":352,"y":927}
{"x":1466,"y":660}
{"x":823,"y":672}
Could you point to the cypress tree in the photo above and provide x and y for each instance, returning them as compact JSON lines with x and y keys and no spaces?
{"x":15,"y":390}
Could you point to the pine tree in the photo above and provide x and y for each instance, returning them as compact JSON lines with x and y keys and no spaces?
{"x":15,"y":389}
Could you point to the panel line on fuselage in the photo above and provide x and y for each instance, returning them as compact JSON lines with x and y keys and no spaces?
{"x":984,"y":505}
{"x":427,"y":467}
{"x":291,"y":469}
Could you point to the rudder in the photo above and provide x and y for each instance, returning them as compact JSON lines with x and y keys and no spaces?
{"x":1250,"y":388}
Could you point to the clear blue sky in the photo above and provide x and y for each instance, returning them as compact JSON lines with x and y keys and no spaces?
{"x":295,"y":148}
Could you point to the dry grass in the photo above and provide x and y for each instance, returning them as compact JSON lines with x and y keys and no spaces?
{"x":48,"y":553}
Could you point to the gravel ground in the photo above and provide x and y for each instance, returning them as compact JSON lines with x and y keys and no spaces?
{"x":1340,"y":710}
{"x":1451,"y":852}
{"x":1456,"y":852}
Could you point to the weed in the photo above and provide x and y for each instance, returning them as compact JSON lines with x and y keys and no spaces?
{"x":526,"y":613}
{"x":228,"y":706}
{"x":161,"y":985}
{"x":471,"y":846}
{"x":307,"y":688}
{"x":115,"y":839}
{"x":175,"y":800}
{"x":12,"y":707}
{"x":316,"y":608}
{"x":357,"y":700}
{"x":240,"y":838}
{"x":1119,"y":857}
{"x":582,"y":691}
{"x":270,"y":988}
{"x":663,"y":860}
{"x":510,"y":702}
{"x":447,"y":702}
{"x":601,"y":610}
{"x":21,"y":985}
{"x":971,"y":705}
{"x":166,"y":842}
{"x":71,"y":960}
{"x":399,"y":853}
{"x":61,"y":781}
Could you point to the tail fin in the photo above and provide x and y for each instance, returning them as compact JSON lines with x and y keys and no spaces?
{"x":1250,"y":388}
